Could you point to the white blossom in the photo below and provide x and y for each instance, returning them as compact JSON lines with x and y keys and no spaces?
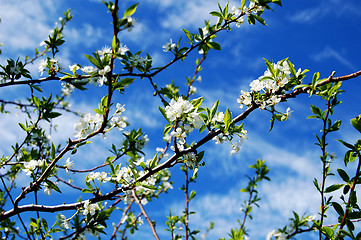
{"x":175,"y":109}
{"x":287,"y":114}
{"x":92,"y":176}
{"x":169,"y":46}
{"x":245,"y":98}
{"x":67,"y":88}
{"x":89,"y":208}
{"x":105,"y":50}
{"x":180,"y":135}
{"x":273,"y":100}
{"x":42,"y":66}
{"x":218,"y":118}
{"x":47,"y":190}
{"x":74,"y":67}
{"x":102,"y":73}
{"x":103,"y":177}
{"x":256,"y":85}
{"x":123,"y":49}
{"x":30,"y":166}
{"x":167,"y":138}
{"x":64,"y":222}
{"x":68,"y":165}
{"x":88,"y":69}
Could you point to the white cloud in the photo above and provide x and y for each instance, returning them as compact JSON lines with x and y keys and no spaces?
{"x":337,"y":9}
{"x":182,"y":14}
{"x":25,"y":25}
{"x":86,"y":35}
{"x":330,"y":53}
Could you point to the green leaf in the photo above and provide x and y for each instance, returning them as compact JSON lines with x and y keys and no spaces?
{"x":52,"y":185}
{"x":334,"y":187}
{"x":356,"y":123}
{"x":316,"y":111}
{"x":270,"y":67}
{"x":52,"y":115}
{"x":189,"y":35}
{"x":131,"y":10}
{"x":213,"y":111}
{"x":153,"y":162}
{"x":214,"y":45}
{"x":338,"y":208}
{"x":227,"y":120}
{"x":243,"y":3}
{"x":149,"y":187}
{"x":216,"y":14}
{"x":98,"y":111}
{"x":343,"y":175}
{"x":85,"y":190}
{"x":94,"y":61}
{"x":260,"y":20}
{"x":278,"y":2}
{"x":23,"y":127}
{"x":346,"y":144}
{"x":192,"y":195}
{"x":162,"y":111}
{"x":53,"y":151}
{"x":353,"y":198}
{"x":197,"y":102}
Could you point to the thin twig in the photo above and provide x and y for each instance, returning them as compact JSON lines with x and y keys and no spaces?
{"x":145,"y":214}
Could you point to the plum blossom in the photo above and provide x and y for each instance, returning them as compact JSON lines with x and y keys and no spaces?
{"x":30,"y":166}
{"x":245,"y":98}
{"x":273,"y":100}
{"x":123,"y":49}
{"x":137,"y":60}
{"x":277,"y":234}
{"x":64,"y":222}
{"x":180,"y":135}
{"x":105,"y":51}
{"x":218,"y":118}
{"x":87,"y":124}
{"x":42,"y":66}
{"x":102,"y":73}
{"x":195,"y":120}
{"x":68,"y":165}
{"x":190,"y":159}
{"x":118,"y":122}
{"x":175,"y":109}
{"x":89,"y":208}
{"x":287,"y":114}
{"x":47,"y":189}
{"x":67,"y":88}
{"x":74,"y":67}
{"x":257,"y":85}
{"x":103,"y":177}
{"x":88,"y":69}
{"x":169,"y":46}
{"x":167,"y":138}
{"x":220,"y":139}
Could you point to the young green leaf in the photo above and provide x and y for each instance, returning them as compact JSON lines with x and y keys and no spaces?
{"x":227,"y":120}
{"x":131,"y":10}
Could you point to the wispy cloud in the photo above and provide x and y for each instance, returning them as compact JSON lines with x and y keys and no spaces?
{"x":182,"y":14}
{"x":329,"y":53}
{"x":323,"y":8}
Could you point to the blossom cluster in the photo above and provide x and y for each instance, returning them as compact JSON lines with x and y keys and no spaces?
{"x":290,"y":228}
{"x":29,"y":167}
{"x":183,"y":111}
{"x":239,"y":12}
{"x":270,"y":82}
{"x":90,"y":123}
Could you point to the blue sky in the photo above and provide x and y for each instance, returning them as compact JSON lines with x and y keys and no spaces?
{"x":322,"y":36}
